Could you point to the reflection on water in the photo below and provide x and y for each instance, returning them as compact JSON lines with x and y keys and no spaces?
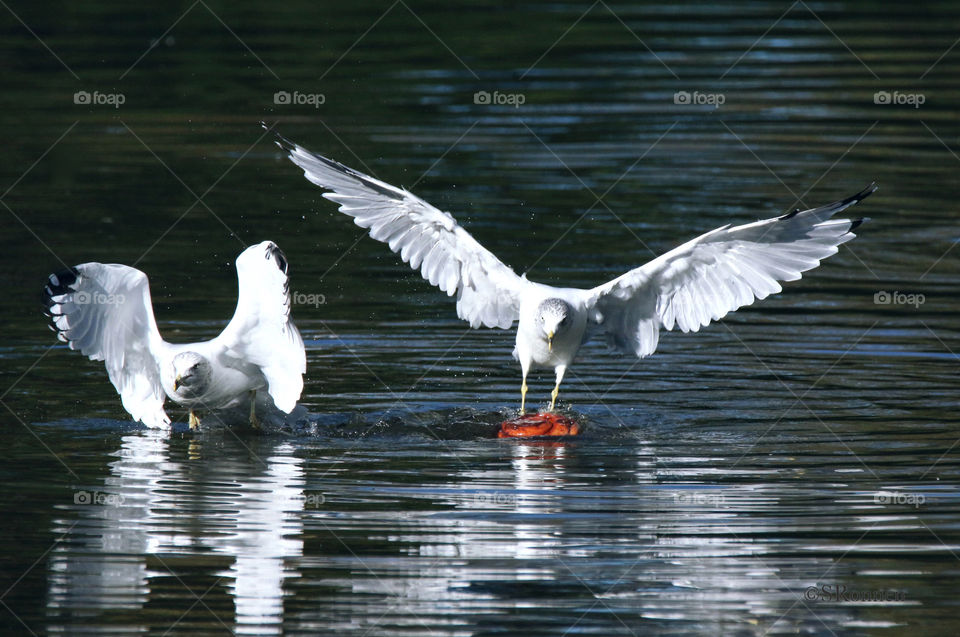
{"x":267,"y":536}
{"x":153,"y":510}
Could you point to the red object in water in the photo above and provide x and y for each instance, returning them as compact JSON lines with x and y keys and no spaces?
{"x":548,"y":424}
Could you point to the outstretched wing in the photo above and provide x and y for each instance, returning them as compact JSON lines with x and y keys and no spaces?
{"x":104,"y":310}
{"x":716,"y":273}
{"x":261,"y":331}
{"x":430,"y":240}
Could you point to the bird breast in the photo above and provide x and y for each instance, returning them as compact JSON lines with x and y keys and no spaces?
{"x":532,"y":342}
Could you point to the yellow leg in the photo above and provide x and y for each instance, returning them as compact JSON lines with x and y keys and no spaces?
{"x":523,"y":395}
{"x":194,"y":421}
{"x":556,"y":390}
{"x":253,"y":410}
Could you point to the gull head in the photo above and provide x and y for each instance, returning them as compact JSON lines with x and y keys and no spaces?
{"x":554,"y":316}
{"x":191,"y":374}
{"x":253,"y":256}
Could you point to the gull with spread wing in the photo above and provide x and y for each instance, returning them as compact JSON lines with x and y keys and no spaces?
{"x":688,"y":287}
{"x":105,"y":311}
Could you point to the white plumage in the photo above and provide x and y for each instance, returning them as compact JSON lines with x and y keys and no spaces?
{"x":105,"y":312}
{"x":688,"y":287}
{"x":430,"y":240}
{"x":716,"y":273}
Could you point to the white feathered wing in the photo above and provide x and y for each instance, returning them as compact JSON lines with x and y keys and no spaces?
{"x":261,"y":331}
{"x":104,"y":311}
{"x":716,"y":273}
{"x":430,"y":240}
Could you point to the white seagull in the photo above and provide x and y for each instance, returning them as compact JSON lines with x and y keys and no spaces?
{"x":699,"y":282}
{"x":104,"y":310}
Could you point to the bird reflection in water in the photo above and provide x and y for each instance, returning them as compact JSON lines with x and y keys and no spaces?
{"x":160,"y":516}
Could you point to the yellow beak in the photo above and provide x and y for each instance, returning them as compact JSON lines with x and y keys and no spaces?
{"x":176,"y":383}
{"x":550,"y":341}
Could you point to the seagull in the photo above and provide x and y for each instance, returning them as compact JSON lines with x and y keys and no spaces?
{"x":687,"y":288}
{"x":104,"y":311}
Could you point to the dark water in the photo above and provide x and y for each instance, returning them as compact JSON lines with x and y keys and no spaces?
{"x":761,"y":477}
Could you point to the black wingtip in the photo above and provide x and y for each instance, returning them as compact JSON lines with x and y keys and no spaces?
{"x":292,"y":148}
{"x":57,"y":284}
{"x":858,"y":197}
{"x":790,"y":215}
{"x":856,"y":223}
{"x":285,"y":144}
{"x":838,"y":205}
{"x":863,"y":194}
{"x":281,"y":141}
